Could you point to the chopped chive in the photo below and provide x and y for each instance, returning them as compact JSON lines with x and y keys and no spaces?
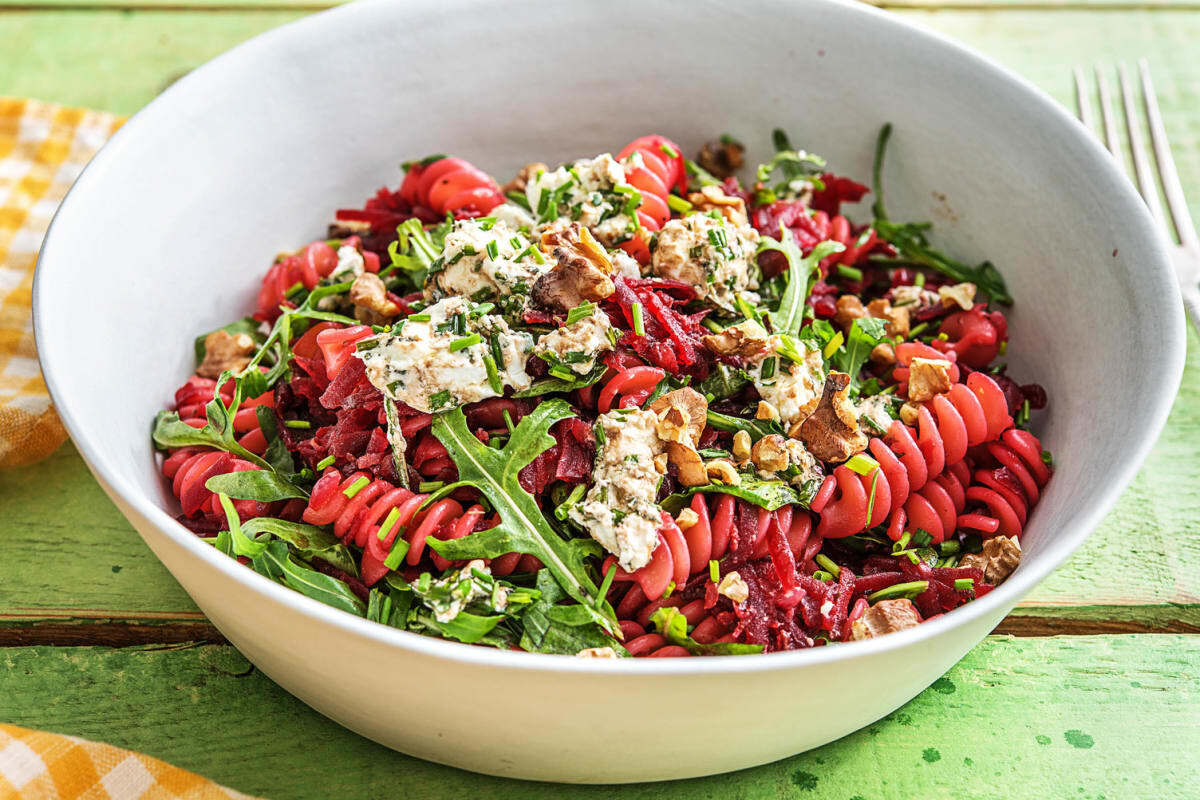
{"x":833,"y":345}
{"x":612,"y":336}
{"x":562,"y":373}
{"x":606,"y":584}
{"x":300,"y":424}
{"x":1047,"y":458}
{"x":560,"y":513}
{"x":639,"y":327}
{"x":424,"y":487}
{"x":497,"y":351}
{"x":678,"y":204}
{"x":827,"y":564}
{"x":917,"y":330}
{"x":910,"y":589}
{"x":327,"y":461}
{"x":367,"y":344}
{"x":863,"y":464}
{"x":822,"y":575}
{"x":391,"y":519}
{"x":902,"y":542}
{"x":397,"y":554}
{"x":871,"y":499}
{"x":295,"y":288}
{"x":714,"y":571}
{"x":493,"y":250}
{"x":486,"y":223}
{"x":460,"y":323}
{"x":670,"y":151}
{"x":508,"y":421}
{"x":465,"y":342}
{"x":922,"y":538}
{"x":418,"y":318}
{"x":919,"y":281}
{"x":581,"y":311}
{"x":670,"y":589}
{"x":948,"y":548}
{"x":1003,"y":347}
{"x":482,"y":308}
{"x":712,"y":325}
{"x":850,"y":273}
{"x":768,"y":368}
{"x":493,"y":374}
{"x":964,"y":584}
{"x":356,"y":487}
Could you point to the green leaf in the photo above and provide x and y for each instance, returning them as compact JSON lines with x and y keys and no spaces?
{"x":248,"y":326}
{"x":909,"y":239}
{"x":395,"y":437}
{"x":765,"y":494}
{"x":757,"y":428}
{"x":552,"y":384}
{"x":801,"y":272}
{"x":522,"y":528}
{"x":673,"y":625}
{"x":277,"y":559}
{"x":552,"y":628}
{"x":309,"y":541}
{"x":416,"y":249}
{"x":241,"y":544}
{"x":865,"y":333}
{"x":260,"y":485}
{"x":276,"y":454}
{"x":723,"y":382}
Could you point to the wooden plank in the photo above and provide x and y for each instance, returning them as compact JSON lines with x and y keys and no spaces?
{"x":1017,"y":717}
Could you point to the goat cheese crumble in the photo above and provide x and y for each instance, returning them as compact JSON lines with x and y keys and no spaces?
{"x":439,"y":359}
{"x":794,"y":389}
{"x":714,"y":257}
{"x":593,"y":192}
{"x":485,"y":259}
{"x":576,"y":347}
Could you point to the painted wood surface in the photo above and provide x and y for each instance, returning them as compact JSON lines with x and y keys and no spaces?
{"x":1053,"y":713}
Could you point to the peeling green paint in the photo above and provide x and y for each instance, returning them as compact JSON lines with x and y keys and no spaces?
{"x":931,"y":754}
{"x":1077,"y":738}
{"x":1042,"y":738}
{"x":806,"y":781}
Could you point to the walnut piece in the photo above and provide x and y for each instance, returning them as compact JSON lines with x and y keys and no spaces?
{"x":770,"y":453}
{"x":999,"y":558}
{"x":688,"y":462}
{"x":741,"y":446}
{"x":223,"y":351}
{"x":849,"y":308}
{"x":831,"y":433}
{"x":682,"y":415}
{"x":733,"y":586}
{"x":597,"y":652}
{"x":766,"y":411}
{"x":883,"y":353}
{"x":886,"y":616}
{"x":580,"y":273}
{"x":722,"y":157}
{"x":744,"y":339}
{"x":960,"y":294}
{"x":660,"y":463}
{"x":524,"y":176}
{"x":927,"y":378}
{"x":371,"y":304}
{"x":686,"y":518}
{"x":908,"y":414}
{"x":711,"y":198}
{"x":897,"y":319}
{"x":721,"y":470}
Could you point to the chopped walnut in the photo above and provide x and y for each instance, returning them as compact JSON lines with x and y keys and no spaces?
{"x":734,"y":587}
{"x":660,"y":463}
{"x":897,"y":319}
{"x":913,"y":297}
{"x":960,"y":294}
{"x":770,"y":453}
{"x":886,"y":616}
{"x":223,"y":351}
{"x":597,"y":652}
{"x":345,"y":228}
{"x":927,"y":378}
{"x":722,"y":157}
{"x":686,"y":518}
{"x":682,"y":415}
{"x":524,"y":176}
{"x":580,"y":274}
{"x":849,"y":308}
{"x":831,"y":433}
{"x":711,"y":198}
{"x":741,"y":445}
{"x":883,"y":354}
{"x":721,"y":470}
{"x":999,"y":558}
{"x":744,"y":339}
{"x":766,"y":411}
{"x":688,"y":462}
{"x":370,"y":298}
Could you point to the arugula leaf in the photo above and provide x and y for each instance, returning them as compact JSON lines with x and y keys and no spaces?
{"x":550,"y":383}
{"x":865,"y":334}
{"x":765,"y":494}
{"x":246,"y":325}
{"x":261,"y":485}
{"x":757,"y":428}
{"x":239,"y":543}
{"x":277,"y":563}
{"x":276,"y":454}
{"x":171,"y":432}
{"x":673,"y":625}
{"x":395,"y":437}
{"x":909,"y":239}
{"x":789,"y":316}
{"x":545,"y":630}
{"x":522,"y":528}
{"x":309,"y":541}
{"x":792,"y":165}
{"x":723,"y":382}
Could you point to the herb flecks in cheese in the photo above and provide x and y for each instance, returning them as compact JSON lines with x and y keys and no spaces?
{"x":442,"y":362}
{"x":485,"y":259}
{"x":593,"y":192}
{"x":577,"y":346}
{"x":716,"y":258}
{"x":792,"y":387}
{"x":471,"y":585}
{"x":619,"y":511}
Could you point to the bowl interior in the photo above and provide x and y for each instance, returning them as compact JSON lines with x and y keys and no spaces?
{"x":169,"y":231}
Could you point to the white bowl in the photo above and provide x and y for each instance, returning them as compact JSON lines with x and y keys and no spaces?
{"x":170,"y":228}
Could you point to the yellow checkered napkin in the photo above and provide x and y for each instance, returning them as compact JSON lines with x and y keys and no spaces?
{"x":43,"y":148}
{"x":47,"y":766}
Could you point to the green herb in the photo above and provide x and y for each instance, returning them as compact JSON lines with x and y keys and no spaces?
{"x":569,"y":381}
{"x":260,"y":485}
{"x":850,"y":273}
{"x":964,"y":584}
{"x":910,"y":590}
{"x":723,"y":381}
{"x":309,"y":541}
{"x":833,"y":345}
{"x":299,"y":424}
{"x":327,"y":461}
{"x":865,"y":333}
{"x":768,"y":368}
{"x":359,"y":484}
{"x":549,"y":627}
{"x":714,"y":571}
{"x":639,"y":327}
{"x":827,"y":563}
{"x":672,"y":625}
{"x":765,"y":494}
{"x":563,"y":508}
{"x":465,"y":342}
{"x":415,"y":250}
{"x":678,"y":204}
{"x":493,"y":250}
{"x":493,"y":374}
{"x":922,"y":538}
{"x":822,"y":576}
{"x":902,"y":542}
{"x":277,"y":563}
{"x":948,"y":547}
{"x":862,"y":463}
{"x":801,"y":273}
{"x":757,"y":428}
{"x":910,"y":240}
{"x":581,"y":311}
{"x":439,"y":399}
{"x":792,"y":165}
{"x":522,"y":528}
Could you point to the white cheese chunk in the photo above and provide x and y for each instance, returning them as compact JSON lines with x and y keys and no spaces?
{"x":425,"y":365}
{"x":715,"y":258}
{"x":576,"y":347}
{"x":619,"y":510}
{"x":793,"y":389}
{"x":448,"y":596}
{"x":350,"y":264}
{"x":585,"y":192}
{"x":470,"y":269}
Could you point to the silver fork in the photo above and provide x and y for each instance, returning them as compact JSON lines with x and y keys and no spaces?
{"x":1185,"y":250}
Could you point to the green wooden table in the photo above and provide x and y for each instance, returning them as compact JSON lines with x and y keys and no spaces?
{"x":1090,"y":689}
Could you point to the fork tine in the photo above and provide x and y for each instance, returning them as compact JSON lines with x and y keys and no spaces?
{"x":1137,"y":146}
{"x":1083,"y":104}
{"x":1166,"y":163}
{"x":1110,"y":126}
